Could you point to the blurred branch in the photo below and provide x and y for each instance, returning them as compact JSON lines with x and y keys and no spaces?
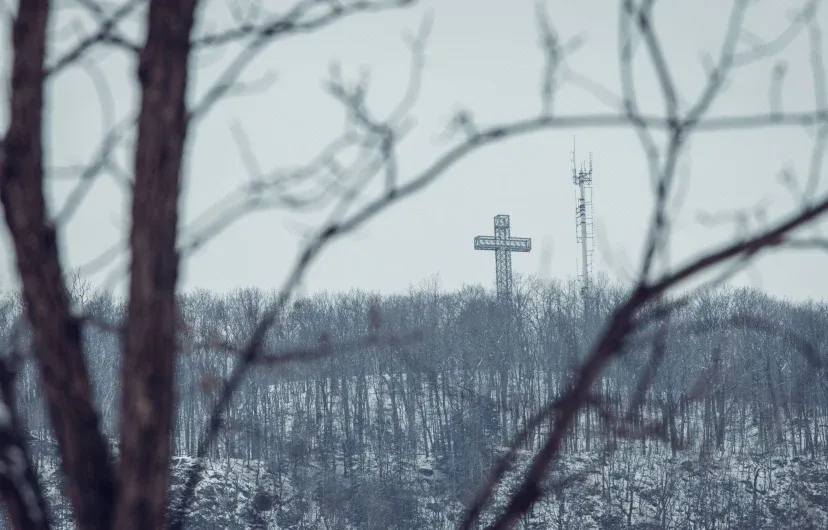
{"x":622,"y":321}
{"x":814,"y":243}
{"x":820,"y":84}
{"x":327,"y":348}
{"x":90,"y":172}
{"x":503,"y":465}
{"x":324,"y":348}
{"x":298,"y":20}
{"x":654,"y":361}
{"x":248,"y":198}
{"x":104,"y":34}
{"x":643,"y":17}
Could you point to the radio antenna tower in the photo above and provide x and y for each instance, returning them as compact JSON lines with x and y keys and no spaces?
{"x":584,"y":231}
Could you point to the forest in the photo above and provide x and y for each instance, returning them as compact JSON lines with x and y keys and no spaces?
{"x":369,"y":405}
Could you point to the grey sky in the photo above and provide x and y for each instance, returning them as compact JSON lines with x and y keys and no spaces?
{"x":482,"y":55}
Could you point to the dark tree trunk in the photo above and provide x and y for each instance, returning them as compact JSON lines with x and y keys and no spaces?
{"x":148,"y":403}
{"x":84,"y":454}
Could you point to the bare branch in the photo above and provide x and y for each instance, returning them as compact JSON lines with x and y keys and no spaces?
{"x":621,"y":322}
{"x":764,"y":50}
{"x":551,"y":49}
{"x":630,"y":98}
{"x":504,"y":463}
{"x":820,"y":83}
{"x":657,"y":355}
{"x":778,"y":74}
{"x":92,"y":170}
{"x":643,"y":17}
{"x":104,"y":34}
{"x":296,"y":21}
{"x":326,"y":348}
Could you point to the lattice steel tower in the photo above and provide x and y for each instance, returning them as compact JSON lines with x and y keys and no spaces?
{"x":503,"y":245}
{"x":584,"y":230}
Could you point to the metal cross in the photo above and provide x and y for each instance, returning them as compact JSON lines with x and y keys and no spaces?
{"x":503,"y":245}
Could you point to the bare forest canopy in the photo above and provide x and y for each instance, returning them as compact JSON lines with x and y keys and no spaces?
{"x":455,"y":375}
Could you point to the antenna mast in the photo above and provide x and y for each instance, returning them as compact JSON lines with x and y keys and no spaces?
{"x":584,"y":231}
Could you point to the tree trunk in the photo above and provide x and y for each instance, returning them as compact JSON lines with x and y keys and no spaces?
{"x":148,"y":401}
{"x":84,"y":454}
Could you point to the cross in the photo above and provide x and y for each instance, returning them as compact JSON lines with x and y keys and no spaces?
{"x":503,"y":245}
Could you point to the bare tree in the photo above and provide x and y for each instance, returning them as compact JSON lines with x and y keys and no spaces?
{"x":130,"y":491}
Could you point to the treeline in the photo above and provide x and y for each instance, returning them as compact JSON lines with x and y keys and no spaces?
{"x":740,"y":372}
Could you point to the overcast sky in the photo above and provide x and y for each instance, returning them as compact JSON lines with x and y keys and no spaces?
{"x":482,"y":55}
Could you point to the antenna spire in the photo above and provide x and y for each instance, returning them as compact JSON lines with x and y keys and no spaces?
{"x":584,"y":229}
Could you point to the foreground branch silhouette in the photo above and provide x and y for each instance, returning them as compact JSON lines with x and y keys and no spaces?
{"x":622,"y":324}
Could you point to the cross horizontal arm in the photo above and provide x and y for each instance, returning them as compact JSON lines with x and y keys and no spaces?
{"x":512,"y":244}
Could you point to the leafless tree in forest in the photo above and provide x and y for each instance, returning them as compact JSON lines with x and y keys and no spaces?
{"x":130,"y":490}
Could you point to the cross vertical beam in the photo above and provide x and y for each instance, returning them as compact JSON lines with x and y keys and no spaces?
{"x":503,"y":244}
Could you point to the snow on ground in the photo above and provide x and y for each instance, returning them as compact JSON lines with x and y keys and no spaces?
{"x":627,"y":488}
